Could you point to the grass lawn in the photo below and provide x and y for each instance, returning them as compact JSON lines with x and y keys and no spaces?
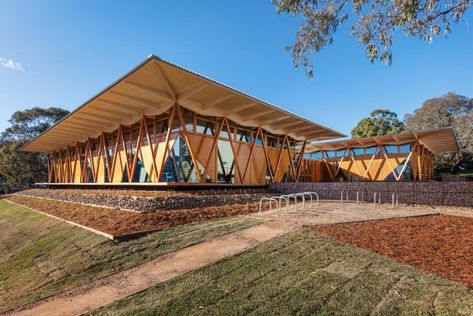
{"x":41,"y":256}
{"x":301,"y":273}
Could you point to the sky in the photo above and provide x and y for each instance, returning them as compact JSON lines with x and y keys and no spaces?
{"x":60,"y":53}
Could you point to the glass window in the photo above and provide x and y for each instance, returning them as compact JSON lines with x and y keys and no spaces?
{"x":224,"y":134}
{"x":371,"y":150}
{"x":204,"y":127}
{"x":141,"y":175}
{"x":358,"y":152}
{"x":243,"y":135}
{"x":330,"y":154}
{"x":225,"y":163}
{"x":405,"y":149}
{"x":272,"y":141}
{"x":340,"y":153}
{"x":390,"y":149}
{"x":189,"y":123}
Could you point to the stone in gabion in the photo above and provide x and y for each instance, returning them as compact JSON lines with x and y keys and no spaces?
{"x":149,"y":204}
{"x":421,"y":192}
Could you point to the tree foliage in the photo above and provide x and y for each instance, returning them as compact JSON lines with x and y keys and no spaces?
{"x":380,"y":122}
{"x":450,"y":110}
{"x":375,"y":22}
{"x":21,"y":169}
{"x":27,"y":124}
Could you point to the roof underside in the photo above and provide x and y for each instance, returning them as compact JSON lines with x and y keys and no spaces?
{"x":437,"y":141}
{"x":152,"y":88}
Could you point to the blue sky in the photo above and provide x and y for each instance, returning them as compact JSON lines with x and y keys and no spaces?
{"x":69,"y":50}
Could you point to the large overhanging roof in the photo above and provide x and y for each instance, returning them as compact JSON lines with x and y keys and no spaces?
{"x":437,"y":141}
{"x":152,"y":88}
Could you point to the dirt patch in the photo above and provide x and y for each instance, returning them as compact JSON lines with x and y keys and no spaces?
{"x":120,"y":223}
{"x":439,"y":244}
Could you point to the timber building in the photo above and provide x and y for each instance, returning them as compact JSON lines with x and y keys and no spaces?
{"x":161,"y":124}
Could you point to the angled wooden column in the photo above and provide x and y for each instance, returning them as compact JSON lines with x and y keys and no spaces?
{"x":154,"y":168}
{"x":280,"y":155}
{"x":266,"y":155}
{"x":235,"y":158}
{"x":299,"y":161}
{"x":214,"y":144}
{"x":137,"y":149}
{"x":166,"y":141}
{"x":189,"y":145}
{"x":253,"y":144}
{"x":291,"y":160}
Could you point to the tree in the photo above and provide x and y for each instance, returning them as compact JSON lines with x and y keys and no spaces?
{"x":450,"y":110}
{"x":375,"y":22}
{"x":380,"y":122}
{"x":22,"y":169}
{"x":27,"y":124}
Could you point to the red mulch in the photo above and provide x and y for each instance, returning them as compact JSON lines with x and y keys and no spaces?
{"x":439,"y":244}
{"x":121,"y":223}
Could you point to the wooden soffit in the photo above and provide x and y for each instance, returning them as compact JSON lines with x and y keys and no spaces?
{"x":437,"y":141}
{"x":152,"y":88}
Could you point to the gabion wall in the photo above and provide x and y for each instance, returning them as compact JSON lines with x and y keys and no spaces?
{"x":148,"y":204}
{"x":428,"y":192}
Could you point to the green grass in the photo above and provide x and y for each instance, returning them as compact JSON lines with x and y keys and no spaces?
{"x":40,"y":256}
{"x":301,"y":273}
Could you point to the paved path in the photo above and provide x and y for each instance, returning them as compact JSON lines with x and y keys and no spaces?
{"x":336,"y":212}
{"x":107,"y":290}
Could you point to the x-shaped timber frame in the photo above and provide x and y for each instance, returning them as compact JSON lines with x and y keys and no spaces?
{"x":122,"y":149}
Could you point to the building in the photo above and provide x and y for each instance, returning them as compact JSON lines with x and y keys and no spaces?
{"x":406,"y":156}
{"x":161,"y":124}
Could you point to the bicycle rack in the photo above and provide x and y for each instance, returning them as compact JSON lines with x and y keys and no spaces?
{"x":285,"y":198}
{"x":394,"y":200}
{"x":303,"y":199}
{"x":288,"y":201}
{"x":358,"y":201}
{"x":277,"y":200}
{"x":377,"y":194}
{"x":270,"y":200}
{"x":294,"y":197}
{"x":311,"y":194}
{"x":341,"y":196}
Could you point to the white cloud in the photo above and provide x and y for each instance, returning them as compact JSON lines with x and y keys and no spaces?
{"x":9,"y":63}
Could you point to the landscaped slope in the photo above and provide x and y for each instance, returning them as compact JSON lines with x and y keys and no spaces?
{"x":40,"y":256}
{"x":121,"y":224}
{"x":301,"y":273}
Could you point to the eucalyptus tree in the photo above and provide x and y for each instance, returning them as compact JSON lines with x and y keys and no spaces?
{"x":374,"y":23}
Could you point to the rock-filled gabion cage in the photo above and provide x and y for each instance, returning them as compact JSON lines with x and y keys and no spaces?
{"x":149,"y":203}
{"x":424,"y":192}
